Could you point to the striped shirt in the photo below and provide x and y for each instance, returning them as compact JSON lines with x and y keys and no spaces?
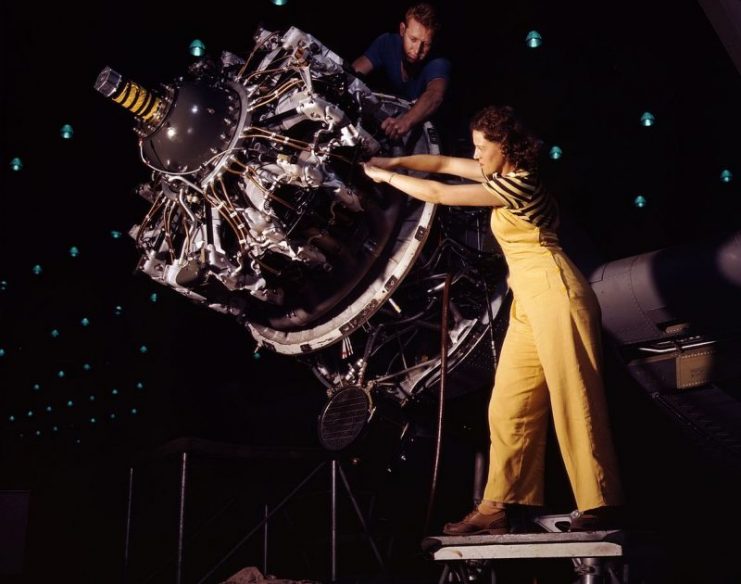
{"x":525,"y":197}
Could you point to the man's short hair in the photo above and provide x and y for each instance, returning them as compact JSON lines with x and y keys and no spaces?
{"x":425,"y":14}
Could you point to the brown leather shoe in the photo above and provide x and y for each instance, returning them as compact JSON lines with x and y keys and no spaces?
{"x":599,"y":519}
{"x":477,"y":523}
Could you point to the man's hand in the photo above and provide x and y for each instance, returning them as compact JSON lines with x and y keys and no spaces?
{"x":396,"y":127}
{"x":422,"y":109}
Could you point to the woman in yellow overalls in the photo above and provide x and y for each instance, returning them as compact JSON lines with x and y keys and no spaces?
{"x":550,"y":360}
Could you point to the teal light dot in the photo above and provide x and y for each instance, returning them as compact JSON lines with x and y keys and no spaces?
{"x":114,"y":391}
{"x":74,"y":251}
{"x":143,"y":349}
{"x":16,"y":164}
{"x":77,"y":440}
{"x":36,"y":386}
{"x":37,"y":270}
{"x":116,"y":234}
{"x":85,"y":321}
{"x":48,"y":408}
{"x":70,"y":403}
{"x":11,"y":418}
{"x":60,"y":374}
{"x":91,"y":398}
{"x":134,"y":411}
{"x":279,"y":2}
{"x":38,"y":432}
{"x":55,"y":333}
{"x":726,"y":176}
{"x":533,"y":39}
{"x":153,"y":297}
{"x":93,"y":420}
{"x":118,"y":310}
{"x":87,"y":367}
{"x":139,"y":385}
{"x":257,"y":355}
{"x":647,"y":119}
{"x":55,"y":428}
{"x":2,"y":352}
{"x":3,"y":285}
{"x":29,"y":413}
{"x":197,"y":48}
{"x":66,"y":132}
{"x":555,"y":153}
{"x":112,"y":416}
{"x":640,"y":201}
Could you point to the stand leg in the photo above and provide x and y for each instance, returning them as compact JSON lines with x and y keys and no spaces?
{"x":333,"y":523}
{"x":362,"y":520}
{"x":127,"y":537}
{"x":265,"y":540}
{"x":181,"y":516}
{"x":255,"y":529}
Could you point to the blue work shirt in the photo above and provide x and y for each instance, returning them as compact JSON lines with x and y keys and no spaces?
{"x":385,"y":53}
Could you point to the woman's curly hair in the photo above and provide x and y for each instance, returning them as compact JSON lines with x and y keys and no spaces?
{"x":499,"y":124}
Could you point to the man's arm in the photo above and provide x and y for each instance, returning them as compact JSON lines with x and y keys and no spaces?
{"x":373,"y":56}
{"x":362,"y":65}
{"x":422,"y":109}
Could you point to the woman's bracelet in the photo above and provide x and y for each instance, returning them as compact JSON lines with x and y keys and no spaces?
{"x":391,"y":177}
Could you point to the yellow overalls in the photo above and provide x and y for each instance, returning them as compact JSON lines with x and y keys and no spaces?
{"x":550,"y":360}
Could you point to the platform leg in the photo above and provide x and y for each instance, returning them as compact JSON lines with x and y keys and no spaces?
{"x":590,"y":571}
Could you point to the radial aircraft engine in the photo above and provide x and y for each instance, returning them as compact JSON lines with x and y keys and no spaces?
{"x":260,"y":210}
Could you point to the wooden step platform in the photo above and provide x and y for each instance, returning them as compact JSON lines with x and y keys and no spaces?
{"x":593,"y":544}
{"x":597,"y":556}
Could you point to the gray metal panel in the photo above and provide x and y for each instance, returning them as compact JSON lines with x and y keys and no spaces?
{"x":700,"y":285}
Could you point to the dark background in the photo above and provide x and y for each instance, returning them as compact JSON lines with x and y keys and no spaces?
{"x":600,"y":67}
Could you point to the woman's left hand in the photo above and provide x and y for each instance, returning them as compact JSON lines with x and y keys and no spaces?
{"x":377,"y":174}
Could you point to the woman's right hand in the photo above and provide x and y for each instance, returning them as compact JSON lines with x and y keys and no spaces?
{"x":382,"y":162}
